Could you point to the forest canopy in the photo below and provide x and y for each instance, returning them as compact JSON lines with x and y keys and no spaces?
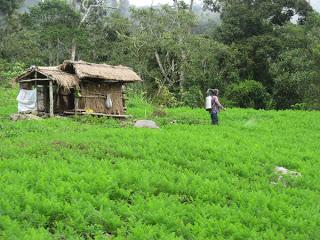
{"x":260,"y":54}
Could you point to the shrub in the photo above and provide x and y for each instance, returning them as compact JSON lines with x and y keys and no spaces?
{"x":8,"y":71}
{"x":248,"y":94}
{"x":165,"y":98}
{"x":312,"y":97}
{"x":159,"y":111}
{"x":193,"y":97}
{"x":306,"y":106}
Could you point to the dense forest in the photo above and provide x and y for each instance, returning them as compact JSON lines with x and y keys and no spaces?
{"x":260,"y":53}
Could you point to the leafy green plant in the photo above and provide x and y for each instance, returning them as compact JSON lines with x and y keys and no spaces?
{"x":193,"y":97}
{"x":9,"y":71}
{"x":87,"y":178}
{"x":248,"y":94}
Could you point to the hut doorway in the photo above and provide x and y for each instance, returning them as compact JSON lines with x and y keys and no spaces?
{"x":64,"y":100}
{"x":42,"y":98}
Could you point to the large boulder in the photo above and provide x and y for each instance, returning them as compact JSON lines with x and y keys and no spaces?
{"x":146,"y":124}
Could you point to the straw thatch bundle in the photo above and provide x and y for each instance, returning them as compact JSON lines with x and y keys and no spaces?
{"x":62,"y":78}
{"x":106,"y":72}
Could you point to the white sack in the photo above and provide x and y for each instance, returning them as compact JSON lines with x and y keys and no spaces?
{"x":108,"y":102}
{"x":27,"y":100}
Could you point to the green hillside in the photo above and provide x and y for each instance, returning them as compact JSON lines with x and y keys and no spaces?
{"x":88,"y":178}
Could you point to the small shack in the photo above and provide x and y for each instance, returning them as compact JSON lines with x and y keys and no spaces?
{"x":76,"y":87}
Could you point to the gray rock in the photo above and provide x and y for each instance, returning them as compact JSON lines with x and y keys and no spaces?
{"x":146,"y":124}
{"x":281,"y":172}
{"x":15,"y":117}
{"x":284,"y":171}
{"x":19,"y":116}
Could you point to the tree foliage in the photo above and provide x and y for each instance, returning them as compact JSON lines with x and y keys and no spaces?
{"x":248,"y":94}
{"x":7,"y":7}
{"x":274,"y":43}
{"x":9,"y":71}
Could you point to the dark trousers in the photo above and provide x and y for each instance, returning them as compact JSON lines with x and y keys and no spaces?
{"x":214,"y":118}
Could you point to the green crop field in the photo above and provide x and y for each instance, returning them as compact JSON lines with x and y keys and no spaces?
{"x":87,"y":178}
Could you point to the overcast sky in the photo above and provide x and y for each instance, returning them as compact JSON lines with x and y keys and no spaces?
{"x":314,"y":3}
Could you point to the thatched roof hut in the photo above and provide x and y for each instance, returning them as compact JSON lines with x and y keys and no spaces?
{"x":79,"y":87}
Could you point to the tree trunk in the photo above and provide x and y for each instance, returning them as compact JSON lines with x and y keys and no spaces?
{"x":182,"y":76}
{"x":73,"y":4}
{"x":191,"y":5}
{"x":73,"y":49}
{"x":58,"y":53}
{"x":176,"y":4}
{"x":50,"y":55}
{"x":165,"y":75}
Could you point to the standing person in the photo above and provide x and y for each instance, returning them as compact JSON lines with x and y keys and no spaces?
{"x":216,"y":106}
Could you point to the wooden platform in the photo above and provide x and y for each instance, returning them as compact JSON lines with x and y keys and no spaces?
{"x":96,"y":114}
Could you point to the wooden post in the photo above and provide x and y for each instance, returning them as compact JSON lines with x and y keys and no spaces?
{"x":123,"y":90}
{"x":51,"y":98}
{"x":37,"y":95}
{"x":76,"y":104}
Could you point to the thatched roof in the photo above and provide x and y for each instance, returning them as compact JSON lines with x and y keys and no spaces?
{"x":106,"y":72}
{"x":62,"y":78}
{"x":70,"y":73}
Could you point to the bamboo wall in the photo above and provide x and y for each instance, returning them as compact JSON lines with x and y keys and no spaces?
{"x":94,"y":96}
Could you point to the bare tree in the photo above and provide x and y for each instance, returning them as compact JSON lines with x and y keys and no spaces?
{"x":86,"y":8}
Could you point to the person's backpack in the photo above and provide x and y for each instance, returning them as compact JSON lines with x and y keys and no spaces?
{"x":208,"y":103}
